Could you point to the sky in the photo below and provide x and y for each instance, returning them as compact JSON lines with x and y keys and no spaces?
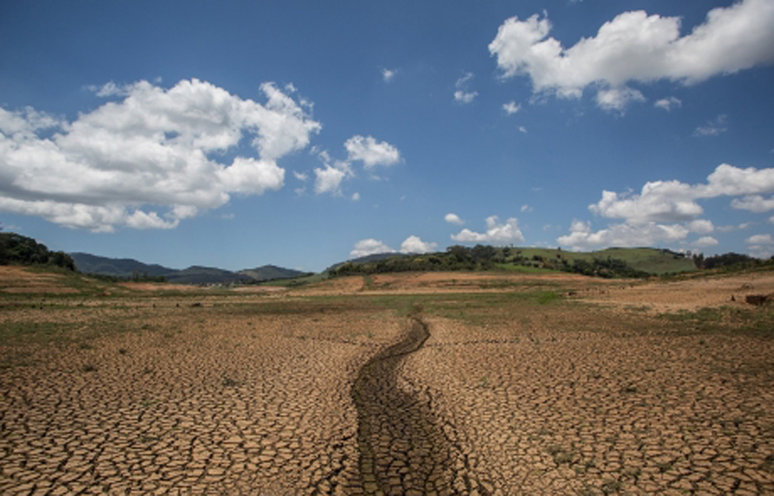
{"x":303,"y":133}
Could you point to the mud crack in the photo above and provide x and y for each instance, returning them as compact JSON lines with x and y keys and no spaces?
{"x":403,"y":449}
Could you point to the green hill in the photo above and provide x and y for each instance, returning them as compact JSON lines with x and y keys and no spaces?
{"x":611,"y":262}
{"x":16,"y":249}
{"x":651,"y":260}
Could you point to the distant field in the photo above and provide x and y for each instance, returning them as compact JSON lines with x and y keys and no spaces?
{"x":427,"y":383}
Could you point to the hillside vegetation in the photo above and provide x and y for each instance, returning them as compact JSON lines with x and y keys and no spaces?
{"x":612,"y":262}
{"x":16,"y":249}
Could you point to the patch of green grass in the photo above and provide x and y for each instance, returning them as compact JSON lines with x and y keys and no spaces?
{"x":753,"y":321}
{"x":27,"y":333}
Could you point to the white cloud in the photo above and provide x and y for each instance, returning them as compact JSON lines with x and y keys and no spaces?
{"x":301,"y":176}
{"x":526,"y":208}
{"x":23,"y":124}
{"x":637,"y":47}
{"x":667,"y":211}
{"x":465,"y":97}
{"x":754,"y":203}
{"x":714,"y":127}
{"x":111,"y":89}
{"x":145,"y":160}
{"x":356,"y":196}
{"x":700,"y":226}
{"x":771,"y":219}
{"x":668,"y":103}
{"x":414,"y":244}
{"x":674,"y":201}
{"x":388,"y":74}
{"x":705,"y":242}
{"x":329,"y":178}
{"x":369,"y":246}
{"x":760,"y":239}
{"x":453,"y":219}
{"x":462,"y":94}
{"x":582,"y":237}
{"x":660,"y":201}
{"x":511,"y":107}
{"x":523,"y":129}
{"x":496,"y":232}
{"x":371,"y":152}
{"x":618,"y":98}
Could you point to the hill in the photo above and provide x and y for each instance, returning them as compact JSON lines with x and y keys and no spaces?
{"x":365,"y":259}
{"x":128,"y":268}
{"x":16,"y":249}
{"x":117,"y":267}
{"x":611,"y":262}
{"x":271,"y":273}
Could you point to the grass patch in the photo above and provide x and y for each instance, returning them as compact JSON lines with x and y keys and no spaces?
{"x":754,"y":321}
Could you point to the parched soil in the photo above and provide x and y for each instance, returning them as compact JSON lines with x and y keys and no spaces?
{"x":190,"y":400}
{"x":690,"y":294}
{"x":21,"y":280}
{"x":532,"y":386}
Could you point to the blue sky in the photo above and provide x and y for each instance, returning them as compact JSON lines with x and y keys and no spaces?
{"x":236,"y":134}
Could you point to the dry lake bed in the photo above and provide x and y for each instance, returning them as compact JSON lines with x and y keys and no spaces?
{"x":447,"y":383}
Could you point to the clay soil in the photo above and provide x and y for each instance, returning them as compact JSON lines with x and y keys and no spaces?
{"x":405,"y":384}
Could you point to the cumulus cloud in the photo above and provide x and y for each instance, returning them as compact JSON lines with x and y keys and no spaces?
{"x":666,"y":211}
{"x":452,"y":218}
{"x":369,"y":246}
{"x":761,"y":245}
{"x":705,"y":242}
{"x":618,"y":98}
{"x":760,"y":239}
{"x":675,"y":201}
{"x":582,"y":237}
{"x":496,"y":232}
{"x":526,"y":208}
{"x":636,"y":47}
{"x":511,"y":107}
{"x":149,"y":159}
{"x":355,"y":196}
{"x":701,"y":226}
{"x":462,"y":94}
{"x":111,"y":89}
{"x":388,"y":74}
{"x":668,"y":103}
{"x":414,"y":244}
{"x":754,"y":203}
{"x":662,"y":201}
{"x":328,"y":179}
{"x":716,"y":126}
{"x":301,"y":176}
{"x":371,"y":152}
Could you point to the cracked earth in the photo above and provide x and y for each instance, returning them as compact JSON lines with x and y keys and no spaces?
{"x":493,"y":393}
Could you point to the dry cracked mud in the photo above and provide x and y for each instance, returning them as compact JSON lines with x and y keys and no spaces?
{"x":518,"y":391}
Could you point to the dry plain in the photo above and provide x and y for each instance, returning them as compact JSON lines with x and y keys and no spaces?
{"x":398,"y":384}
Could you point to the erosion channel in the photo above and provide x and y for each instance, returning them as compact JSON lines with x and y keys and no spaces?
{"x":403,"y":450}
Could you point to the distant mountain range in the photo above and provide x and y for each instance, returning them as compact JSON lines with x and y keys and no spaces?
{"x":128,"y":268}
